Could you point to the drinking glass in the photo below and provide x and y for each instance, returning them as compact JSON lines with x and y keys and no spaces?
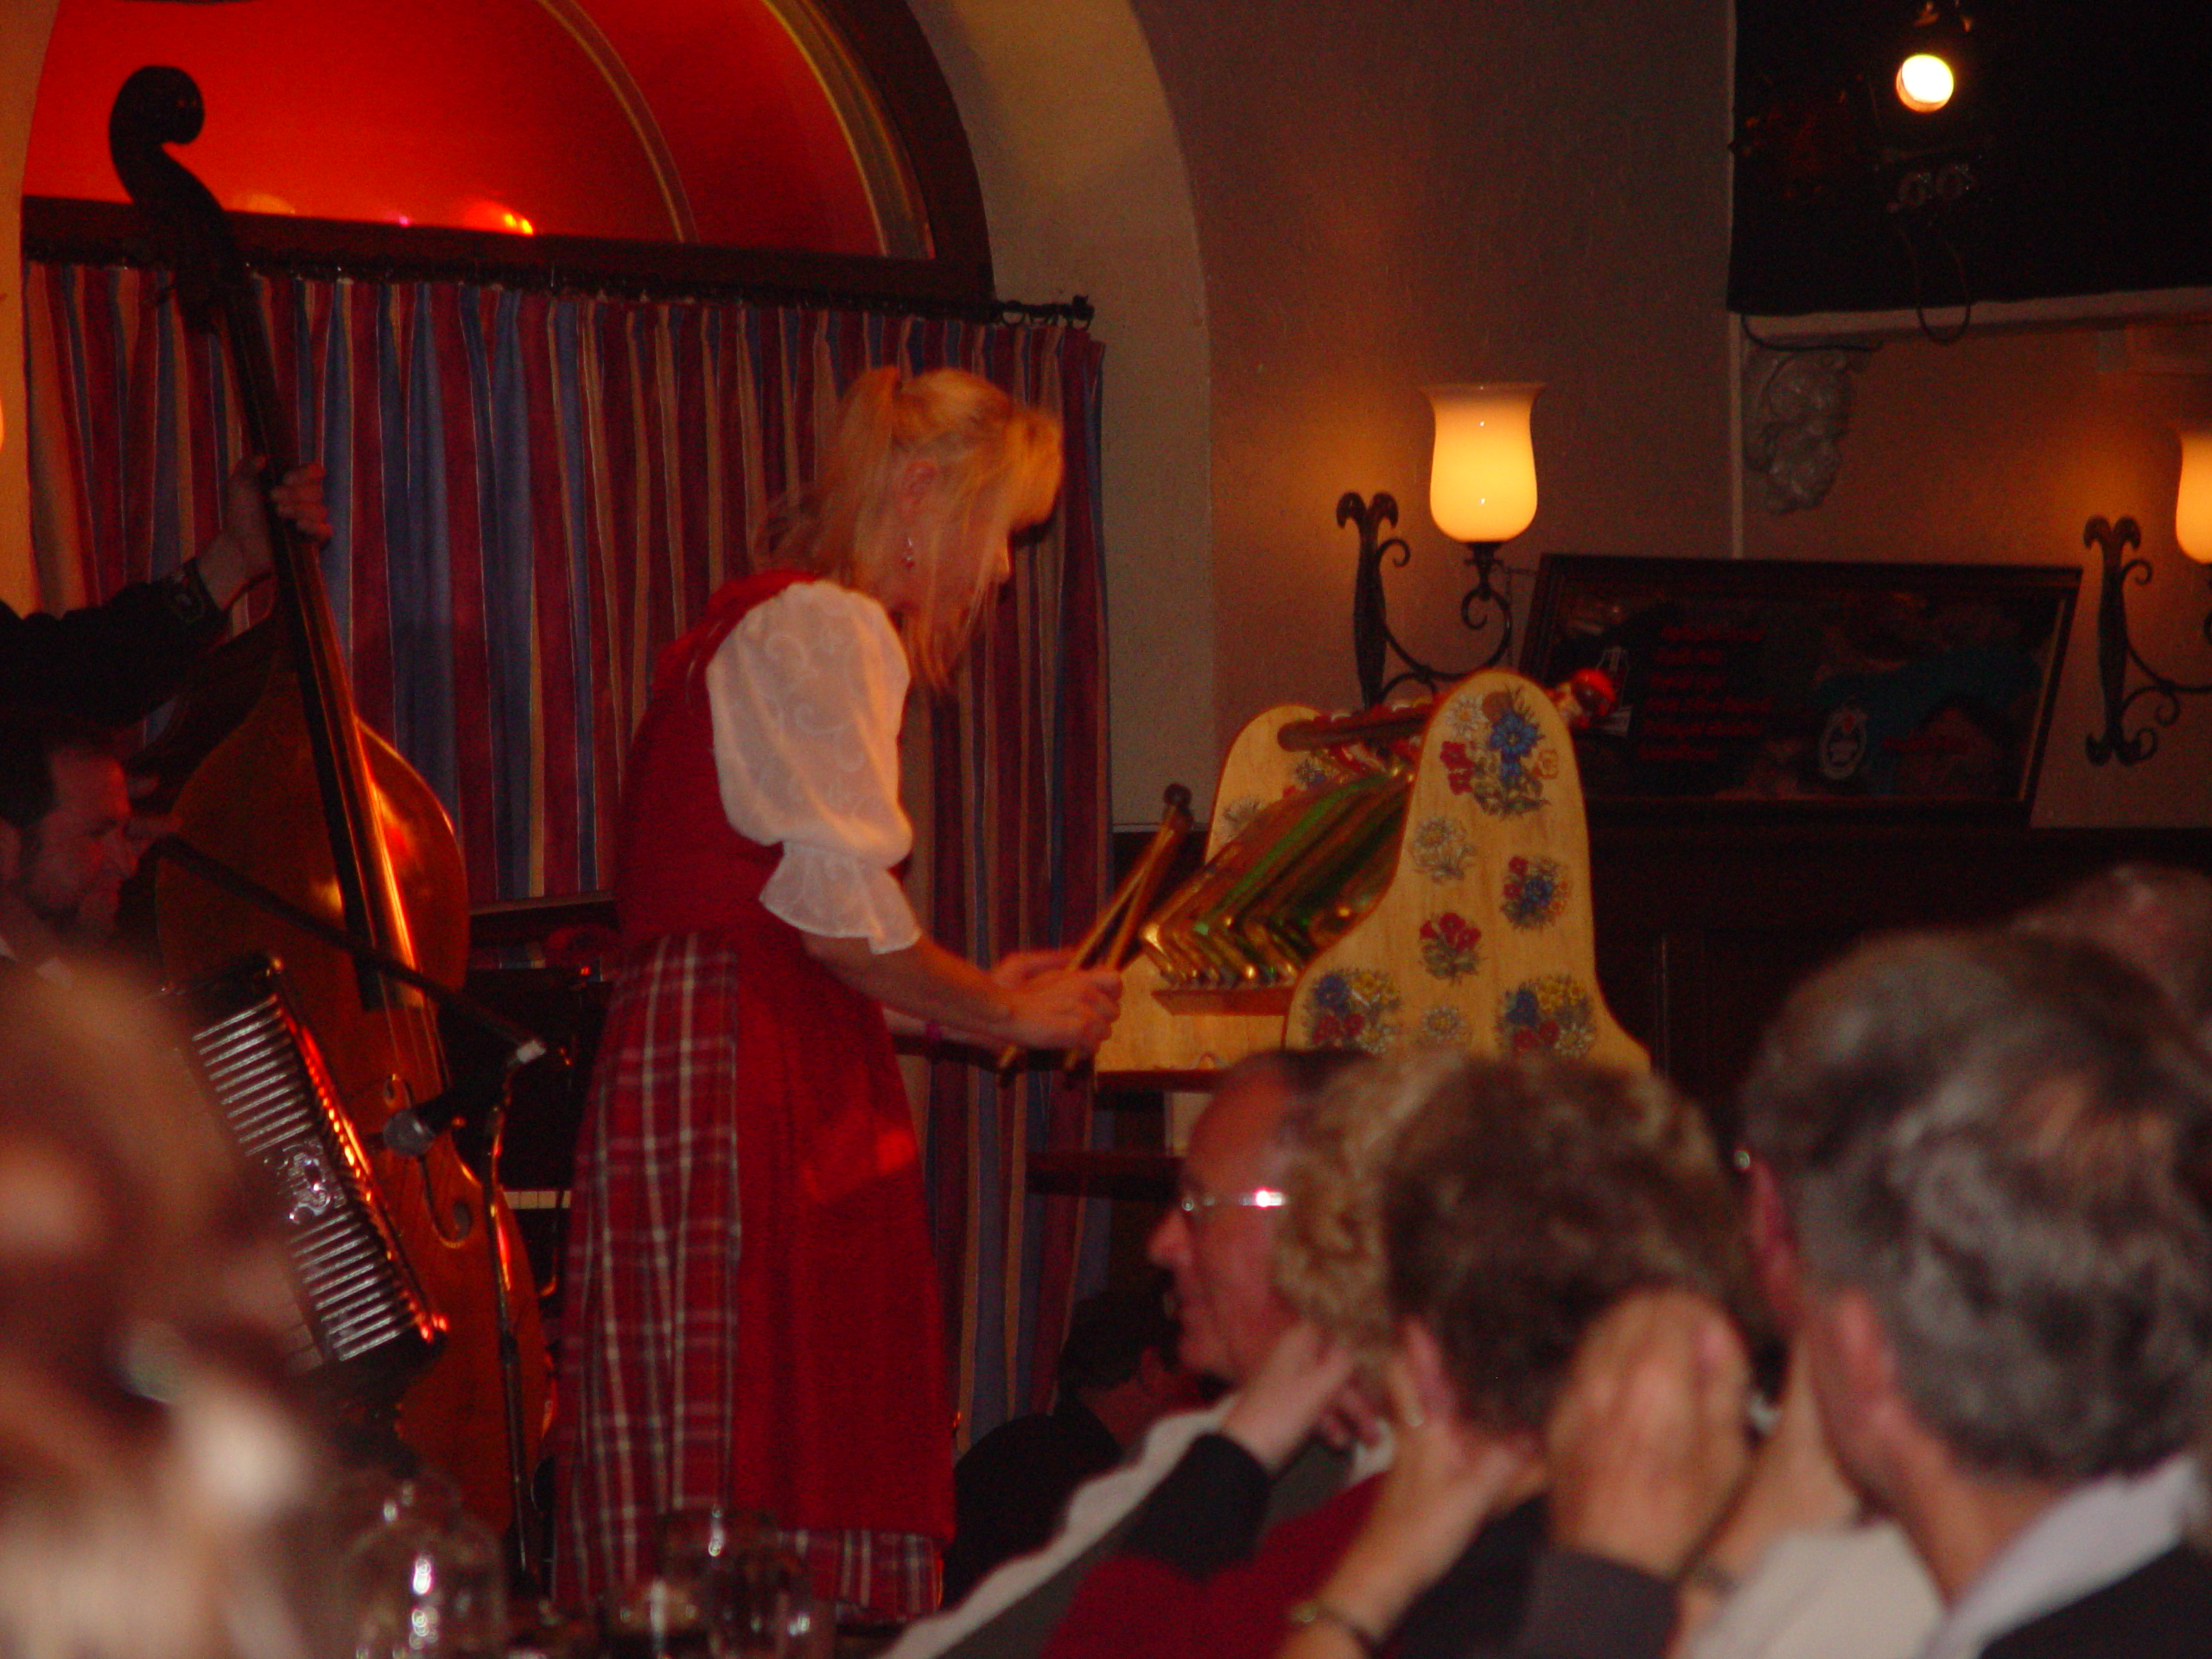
{"x":702,"y":1541}
{"x":418,"y":1587}
{"x":751,"y":1587}
{"x":658,"y":1618}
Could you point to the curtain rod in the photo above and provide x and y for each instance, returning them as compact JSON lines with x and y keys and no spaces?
{"x":110,"y":233}
{"x":1076,"y":313}
{"x":553,"y":278}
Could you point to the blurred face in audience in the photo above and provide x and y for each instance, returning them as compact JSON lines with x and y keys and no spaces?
{"x":1219,"y":1241}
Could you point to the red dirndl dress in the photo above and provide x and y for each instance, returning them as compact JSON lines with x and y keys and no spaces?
{"x":750,"y":1317}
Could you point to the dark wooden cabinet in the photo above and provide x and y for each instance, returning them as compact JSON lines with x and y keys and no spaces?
{"x":1703,"y":927}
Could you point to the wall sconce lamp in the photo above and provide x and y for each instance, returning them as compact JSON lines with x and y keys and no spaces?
{"x":1482,"y":491}
{"x":2115,"y":651}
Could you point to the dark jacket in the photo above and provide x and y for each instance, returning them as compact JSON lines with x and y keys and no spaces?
{"x":113,"y":663}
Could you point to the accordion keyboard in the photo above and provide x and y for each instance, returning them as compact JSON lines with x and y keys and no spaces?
{"x":364,"y":1321}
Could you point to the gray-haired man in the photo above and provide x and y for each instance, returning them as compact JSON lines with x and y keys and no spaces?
{"x":1217,"y":1241}
{"x":1990,"y":1152}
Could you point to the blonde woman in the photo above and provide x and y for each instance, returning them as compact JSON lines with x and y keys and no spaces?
{"x":752,"y":1318}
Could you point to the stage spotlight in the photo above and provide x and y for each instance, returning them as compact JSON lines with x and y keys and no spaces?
{"x":1925,"y":83}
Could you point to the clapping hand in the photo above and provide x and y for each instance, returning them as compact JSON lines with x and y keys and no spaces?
{"x":1286,"y":1398}
{"x":1448,"y":1478}
{"x":1648,"y":1443}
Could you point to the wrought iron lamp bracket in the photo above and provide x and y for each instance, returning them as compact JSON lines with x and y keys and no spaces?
{"x":2116,"y":652}
{"x":1372,"y":638}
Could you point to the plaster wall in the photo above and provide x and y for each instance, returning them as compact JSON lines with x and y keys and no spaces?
{"x":1999,"y":449}
{"x":1392,"y":193}
{"x":1084,"y":189}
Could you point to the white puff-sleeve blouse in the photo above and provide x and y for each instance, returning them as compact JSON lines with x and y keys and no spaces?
{"x":806,"y":695}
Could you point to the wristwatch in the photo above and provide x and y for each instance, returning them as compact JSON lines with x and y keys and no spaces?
{"x":184,"y":590}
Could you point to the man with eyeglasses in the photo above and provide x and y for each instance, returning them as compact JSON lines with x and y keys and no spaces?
{"x":1217,"y":1242}
{"x":1218,"y":1238}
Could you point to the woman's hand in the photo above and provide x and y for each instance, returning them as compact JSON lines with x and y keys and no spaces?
{"x":1648,"y":1443}
{"x":1446,"y":1480}
{"x":1286,"y":1398}
{"x":1031,"y":998}
{"x":1055,"y":1006}
{"x":1794,"y":1484}
{"x":1017,"y":968}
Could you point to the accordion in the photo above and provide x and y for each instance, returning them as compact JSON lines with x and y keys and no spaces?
{"x":365,"y":1329}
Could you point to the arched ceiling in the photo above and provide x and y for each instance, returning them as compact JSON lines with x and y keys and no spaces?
{"x":654,"y":120}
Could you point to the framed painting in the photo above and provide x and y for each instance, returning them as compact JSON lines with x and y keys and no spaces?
{"x":1817,"y":686}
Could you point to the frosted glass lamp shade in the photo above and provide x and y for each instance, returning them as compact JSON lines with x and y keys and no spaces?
{"x":1482,"y":485}
{"x":2193,"y":505}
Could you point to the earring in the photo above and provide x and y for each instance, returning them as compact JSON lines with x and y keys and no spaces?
{"x":910,"y":550}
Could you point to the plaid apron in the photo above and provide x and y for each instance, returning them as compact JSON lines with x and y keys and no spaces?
{"x":749,"y":1316}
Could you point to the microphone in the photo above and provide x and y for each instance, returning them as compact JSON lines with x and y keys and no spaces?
{"x":411,"y":1130}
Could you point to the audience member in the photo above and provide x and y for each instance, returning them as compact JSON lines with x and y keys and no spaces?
{"x":1801,"y":1570}
{"x":154,"y":1475}
{"x":1119,"y":1373}
{"x":1514,"y":1204}
{"x":1217,"y":1242}
{"x":2158,"y":916}
{"x":1979,"y":1171}
{"x":2002,"y":1283}
{"x":1642,"y":1451}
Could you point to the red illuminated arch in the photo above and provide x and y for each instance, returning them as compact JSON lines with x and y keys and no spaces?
{"x":816,"y":135}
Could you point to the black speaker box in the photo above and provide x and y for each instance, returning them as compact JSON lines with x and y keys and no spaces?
{"x":2074,"y":158}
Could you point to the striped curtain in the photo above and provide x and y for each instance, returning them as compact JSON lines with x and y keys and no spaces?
{"x":532,"y":493}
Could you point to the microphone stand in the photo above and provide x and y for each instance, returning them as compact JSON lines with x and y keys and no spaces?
{"x":410,"y":1134}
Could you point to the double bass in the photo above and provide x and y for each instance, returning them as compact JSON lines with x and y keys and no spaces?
{"x":311,"y":804}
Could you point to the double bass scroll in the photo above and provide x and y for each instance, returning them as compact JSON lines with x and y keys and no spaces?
{"x":314,"y":805}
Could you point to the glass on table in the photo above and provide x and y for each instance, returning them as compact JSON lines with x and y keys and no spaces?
{"x":751,"y":1586}
{"x":810,"y":1626}
{"x":418,"y":1586}
{"x":360,"y":1502}
{"x":658,"y":1618}
{"x":702,"y":1541}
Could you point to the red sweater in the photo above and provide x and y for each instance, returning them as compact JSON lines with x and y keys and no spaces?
{"x":1135,"y":1606}
{"x":1195,"y":1579}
